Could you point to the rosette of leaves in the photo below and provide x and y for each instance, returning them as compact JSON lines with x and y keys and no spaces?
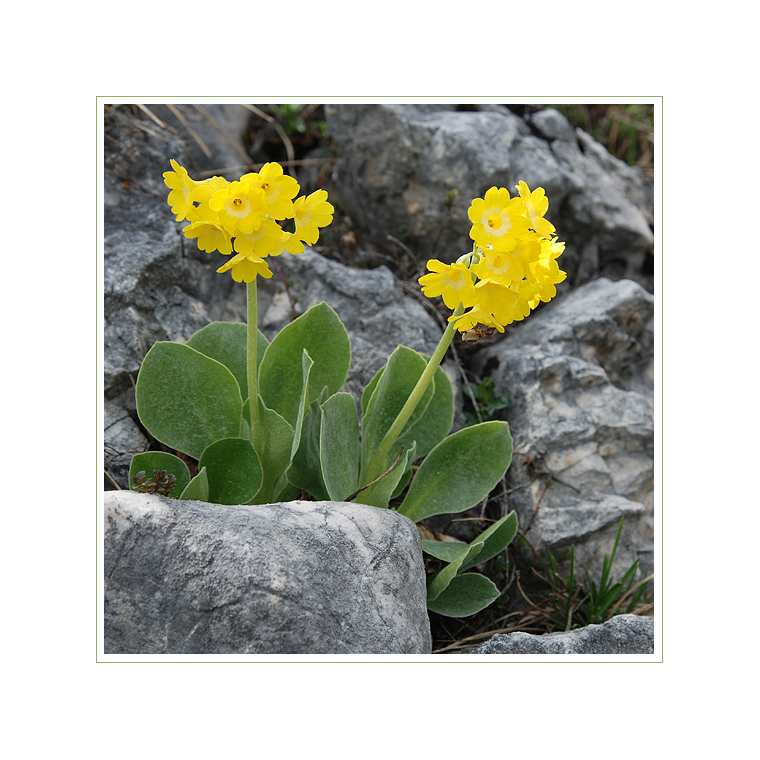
{"x":194,"y":398}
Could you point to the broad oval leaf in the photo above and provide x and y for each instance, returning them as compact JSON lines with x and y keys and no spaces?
{"x":436,"y":419}
{"x":321,"y":333}
{"x":439,"y":582}
{"x":276,"y":454}
{"x":446,"y":551}
{"x":465,"y":595}
{"x":393,"y":389}
{"x":185,"y":399}
{"x":460,"y":471}
{"x":495,"y":539}
{"x":227,"y":342}
{"x":197,"y":488}
{"x":380,"y":493}
{"x":339,"y":444}
{"x":233,"y":469}
{"x":160,"y":460}
{"x":305,"y":470}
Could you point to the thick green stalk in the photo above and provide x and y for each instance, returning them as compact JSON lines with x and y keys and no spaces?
{"x":414,"y":398}
{"x":252,"y":359}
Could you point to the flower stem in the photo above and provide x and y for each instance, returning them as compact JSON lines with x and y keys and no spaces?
{"x":414,"y":398}
{"x":253,"y":364}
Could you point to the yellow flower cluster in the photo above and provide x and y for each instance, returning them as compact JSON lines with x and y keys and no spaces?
{"x":512,"y":266}
{"x":243,"y":216}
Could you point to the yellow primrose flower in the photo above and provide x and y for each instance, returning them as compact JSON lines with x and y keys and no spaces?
{"x":452,"y":281}
{"x":503,"y":304}
{"x":245,"y":268}
{"x":528,"y":249}
{"x":182,"y":190}
{"x":279,"y":189}
{"x":536,"y":206}
{"x":261,"y":242}
{"x":502,"y":267}
{"x":497,"y":220}
{"x":476,"y":315}
{"x":546,"y":267}
{"x":203,"y":192}
{"x":240,"y":207}
{"x":310,"y":213}
{"x":211,"y":237}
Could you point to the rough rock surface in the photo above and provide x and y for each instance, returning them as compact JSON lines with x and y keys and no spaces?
{"x":398,"y":162}
{"x":578,"y":375}
{"x":294,"y":578}
{"x":623,"y":634}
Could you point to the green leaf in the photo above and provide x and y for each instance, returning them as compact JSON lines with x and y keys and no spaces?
{"x":446,"y":551}
{"x":460,"y":471}
{"x":321,"y":333}
{"x":437,"y":418}
{"x":340,"y":448}
{"x":465,"y":595}
{"x":160,"y":460}
{"x":432,"y":427}
{"x":379,"y":494}
{"x":394,"y":387}
{"x":441,"y":580}
{"x":197,"y":488}
{"x":276,"y":454}
{"x":303,"y":403}
{"x":495,"y":539}
{"x":305,"y":470}
{"x":227,"y":342}
{"x":233,"y":469}
{"x":185,"y":399}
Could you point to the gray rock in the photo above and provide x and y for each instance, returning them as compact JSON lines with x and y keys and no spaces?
{"x":398,"y":162}
{"x":579,"y":377}
{"x":623,"y":634}
{"x":122,"y":439}
{"x":211,"y":134}
{"x":296,"y":578}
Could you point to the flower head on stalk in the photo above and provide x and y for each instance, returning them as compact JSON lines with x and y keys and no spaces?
{"x":511,"y":268}
{"x":243,"y":216}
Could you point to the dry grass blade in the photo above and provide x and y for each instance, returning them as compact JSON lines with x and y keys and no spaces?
{"x":155,"y":118}
{"x":524,"y":626}
{"x":234,"y":143}
{"x":261,"y":114}
{"x":288,"y":146}
{"x":194,"y":135}
{"x":111,"y":478}
{"x":256,"y":167}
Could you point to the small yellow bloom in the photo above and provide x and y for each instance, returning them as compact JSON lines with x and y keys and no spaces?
{"x":278,"y":188}
{"x":452,"y":281}
{"x":211,"y":237}
{"x":502,"y":267}
{"x":310,"y":213}
{"x":261,"y":242}
{"x":497,"y":220}
{"x":536,"y":206}
{"x":182,"y":190}
{"x":245,"y":268}
{"x":240,"y":207}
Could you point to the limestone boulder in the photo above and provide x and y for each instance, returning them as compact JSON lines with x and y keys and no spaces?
{"x":579,"y":377}
{"x":622,"y":634}
{"x":185,"y":577}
